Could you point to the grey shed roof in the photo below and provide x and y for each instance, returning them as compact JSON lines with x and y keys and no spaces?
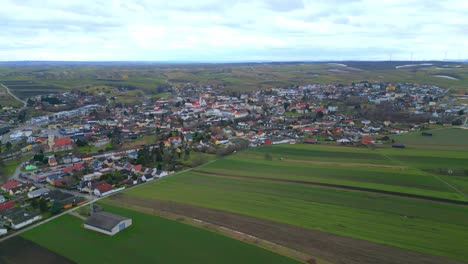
{"x":39,"y":192}
{"x":104,"y":220}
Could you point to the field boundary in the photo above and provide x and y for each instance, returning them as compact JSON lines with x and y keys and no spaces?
{"x":349,"y":164}
{"x":337,"y":186}
{"x":14,"y":96}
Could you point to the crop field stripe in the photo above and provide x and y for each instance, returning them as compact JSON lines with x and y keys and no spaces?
{"x":353,"y":188}
{"x":434,"y":176}
{"x":433,"y":228}
{"x":447,"y":183}
{"x":316,"y":162}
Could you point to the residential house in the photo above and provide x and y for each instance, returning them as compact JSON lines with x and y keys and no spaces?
{"x":52,"y":162}
{"x":101,"y":188}
{"x":137,"y":168}
{"x":59,"y":144}
{"x":25,"y":187}
{"x":6,"y":205}
{"x":7,"y":186}
{"x":2,"y":199}
{"x":92,"y":176}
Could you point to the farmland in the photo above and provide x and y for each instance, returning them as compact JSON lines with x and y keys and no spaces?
{"x":380,"y":169}
{"x":338,"y":204}
{"x":145,"y":77}
{"x":150,"y":239}
{"x":414,"y":224}
{"x":445,"y":137}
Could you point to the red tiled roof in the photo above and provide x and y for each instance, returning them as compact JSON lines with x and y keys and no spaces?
{"x":6,"y":205}
{"x":74,"y":167}
{"x":137,"y":167}
{"x":11,"y":184}
{"x":60,"y":142}
{"x":102,"y":186}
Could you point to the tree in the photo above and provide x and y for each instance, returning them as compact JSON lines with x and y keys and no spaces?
{"x":56,"y":208}
{"x":457,"y":122}
{"x":8,"y":145}
{"x":30,"y":102}
{"x":3,"y":172}
{"x":86,"y":168}
{"x":38,"y":157}
{"x":319,"y":114}
{"x":158,"y":155}
{"x":461,"y":112}
{"x":81,"y":143}
{"x":22,"y":116}
{"x":43,"y":205}
{"x":34,"y":203}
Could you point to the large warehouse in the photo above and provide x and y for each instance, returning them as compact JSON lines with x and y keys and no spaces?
{"x":107,"y":223}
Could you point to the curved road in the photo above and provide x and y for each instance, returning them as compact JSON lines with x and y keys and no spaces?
{"x":14,"y":96}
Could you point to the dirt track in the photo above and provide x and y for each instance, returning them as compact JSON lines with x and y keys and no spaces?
{"x":338,"y":186}
{"x":334,"y":248}
{"x":20,"y":250}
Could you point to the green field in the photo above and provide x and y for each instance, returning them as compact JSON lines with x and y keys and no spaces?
{"x":234,"y":77}
{"x":444,"y":137}
{"x":423,"y":226}
{"x":150,"y":239}
{"x":381,"y":169}
{"x":433,"y":228}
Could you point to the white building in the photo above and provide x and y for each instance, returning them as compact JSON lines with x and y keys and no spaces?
{"x":107,"y":223}
{"x":37,"y":193}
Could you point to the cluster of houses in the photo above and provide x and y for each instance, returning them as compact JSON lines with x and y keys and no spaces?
{"x":19,"y":203}
{"x":318,"y":112}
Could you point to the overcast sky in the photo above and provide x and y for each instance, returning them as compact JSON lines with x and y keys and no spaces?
{"x":233,"y":30}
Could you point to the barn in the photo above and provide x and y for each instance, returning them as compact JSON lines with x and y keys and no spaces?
{"x":107,"y":223}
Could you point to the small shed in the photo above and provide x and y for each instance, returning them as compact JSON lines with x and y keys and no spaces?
{"x":107,"y":223}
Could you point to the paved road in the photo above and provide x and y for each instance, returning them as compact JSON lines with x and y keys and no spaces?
{"x":14,"y":96}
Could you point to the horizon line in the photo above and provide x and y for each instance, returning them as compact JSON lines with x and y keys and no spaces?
{"x":222,"y":61}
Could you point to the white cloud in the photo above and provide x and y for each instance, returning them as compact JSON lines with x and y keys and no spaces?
{"x":211,"y":30}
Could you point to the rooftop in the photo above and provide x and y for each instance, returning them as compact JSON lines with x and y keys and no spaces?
{"x":104,"y":220}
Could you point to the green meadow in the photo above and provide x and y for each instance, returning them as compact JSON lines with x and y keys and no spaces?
{"x":151,"y":239}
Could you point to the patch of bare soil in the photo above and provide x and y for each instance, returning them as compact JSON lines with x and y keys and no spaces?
{"x":20,"y":250}
{"x":334,"y":248}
